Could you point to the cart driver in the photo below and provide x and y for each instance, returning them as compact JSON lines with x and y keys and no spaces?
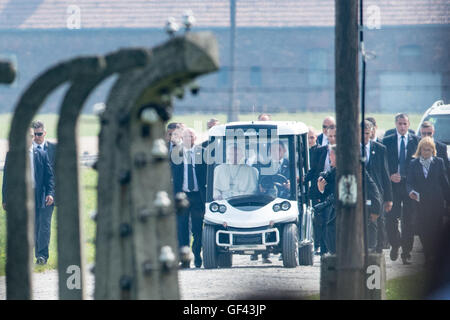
{"x":234,"y":178}
{"x":279,"y":167}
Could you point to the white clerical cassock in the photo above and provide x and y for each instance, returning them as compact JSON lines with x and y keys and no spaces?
{"x":234,"y":180}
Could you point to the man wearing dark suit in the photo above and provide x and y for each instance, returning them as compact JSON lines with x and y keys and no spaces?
{"x":427,"y":130}
{"x":320,"y":162}
{"x":400,"y":146}
{"x":44,"y":217}
{"x":189,"y":176}
{"x":377,"y":167}
{"x":322,"y":139}
{"x":44,"y":191}
{"x":326,"y":184}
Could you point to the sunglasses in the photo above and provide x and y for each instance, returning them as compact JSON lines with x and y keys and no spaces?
{"x":427,"y":134}
{"x":38,"y":134}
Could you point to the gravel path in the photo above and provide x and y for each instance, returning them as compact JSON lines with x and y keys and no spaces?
{"x":247,"y":279}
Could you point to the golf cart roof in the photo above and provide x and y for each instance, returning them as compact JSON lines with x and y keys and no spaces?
{"x":282,"y":127}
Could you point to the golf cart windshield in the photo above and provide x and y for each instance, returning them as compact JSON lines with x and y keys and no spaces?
{"x":252,"y":164}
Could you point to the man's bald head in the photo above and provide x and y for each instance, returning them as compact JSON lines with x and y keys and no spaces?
{"x":327,"y":122}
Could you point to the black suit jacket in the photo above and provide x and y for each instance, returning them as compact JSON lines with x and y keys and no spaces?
{"x":43,"y":176}
{"x":200,"y":171}
{"x":50,"y":148}
{"x":379,"y":170}
{"x":373,"y":194}
{"x":441,"y":152}
{"x":318,"y":157}
{"x":433,"y":190}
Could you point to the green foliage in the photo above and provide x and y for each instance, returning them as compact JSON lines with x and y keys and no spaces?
{"x":406,"y":288}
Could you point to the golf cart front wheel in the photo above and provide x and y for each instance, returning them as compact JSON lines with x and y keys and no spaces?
{"x":290,"y":245}
{"x":210,"y":257}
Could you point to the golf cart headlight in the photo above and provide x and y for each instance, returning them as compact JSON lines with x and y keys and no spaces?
{"x":276,"y":207}
{"x":285,"y":205}
{"x":214,"y":207}
{"x":222,"y":208}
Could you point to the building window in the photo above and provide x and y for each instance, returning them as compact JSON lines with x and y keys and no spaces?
{"x":255,"y":76}
{"x":410,"y":51}
{"x":317,"y":64}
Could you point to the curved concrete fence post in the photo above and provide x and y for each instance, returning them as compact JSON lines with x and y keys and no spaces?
{"x":70,"y":235}
{"x":134,"y":176}
{"x":20,"y":200}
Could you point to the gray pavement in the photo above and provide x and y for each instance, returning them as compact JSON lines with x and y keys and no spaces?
{"x":246,"y":279}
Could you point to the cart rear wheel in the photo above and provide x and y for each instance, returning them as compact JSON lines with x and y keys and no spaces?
{"x":290,"y":245}
{"x":306,"y":255}
{"x":210,"y":257}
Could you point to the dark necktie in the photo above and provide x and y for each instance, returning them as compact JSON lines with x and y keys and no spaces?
{"x":39,"y":147}
{"x":402,"y":157}
{"x":190,"y":172}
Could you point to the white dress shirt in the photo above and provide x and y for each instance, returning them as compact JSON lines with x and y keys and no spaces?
{"x":399,"y":141}
{"x":327,"y":165}
{"x":367,"y":150}
{"x":324,"y":140}
{"x":31,"y":156}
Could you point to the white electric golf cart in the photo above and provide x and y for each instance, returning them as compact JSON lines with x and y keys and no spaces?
{"x":256,"y":197}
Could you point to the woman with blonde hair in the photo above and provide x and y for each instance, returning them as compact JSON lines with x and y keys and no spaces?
{"x":428,"y":185}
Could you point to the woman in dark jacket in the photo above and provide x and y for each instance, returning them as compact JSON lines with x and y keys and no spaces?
{"x":427,"y":183}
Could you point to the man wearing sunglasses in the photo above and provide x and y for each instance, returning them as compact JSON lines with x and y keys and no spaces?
{"x":42,"y":181}
{"x":44,"y":215}
{"x":427,"y":130}
{"x":322,"y":139}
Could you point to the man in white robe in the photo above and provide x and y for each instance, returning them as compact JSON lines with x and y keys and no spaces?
{"x":234,"y":178}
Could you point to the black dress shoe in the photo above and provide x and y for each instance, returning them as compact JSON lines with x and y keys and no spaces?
{"x":394,"y":253}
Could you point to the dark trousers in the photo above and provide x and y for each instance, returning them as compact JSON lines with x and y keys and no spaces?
{"x":195,"y":212}
{"x":329,"y":230}
{"x":403,"y":210}
{"x":381,"y":232}
{"x":42,"y":226}
{"x":372,"y":231}
{"x":319,"y":229}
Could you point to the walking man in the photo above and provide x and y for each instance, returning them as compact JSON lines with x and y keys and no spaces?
{"x":400,"y":146}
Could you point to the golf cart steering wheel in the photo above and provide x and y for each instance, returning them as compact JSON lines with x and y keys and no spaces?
{"x":277,"y":181}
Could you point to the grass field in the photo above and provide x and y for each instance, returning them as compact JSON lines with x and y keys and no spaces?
{"x":89,"y":126}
